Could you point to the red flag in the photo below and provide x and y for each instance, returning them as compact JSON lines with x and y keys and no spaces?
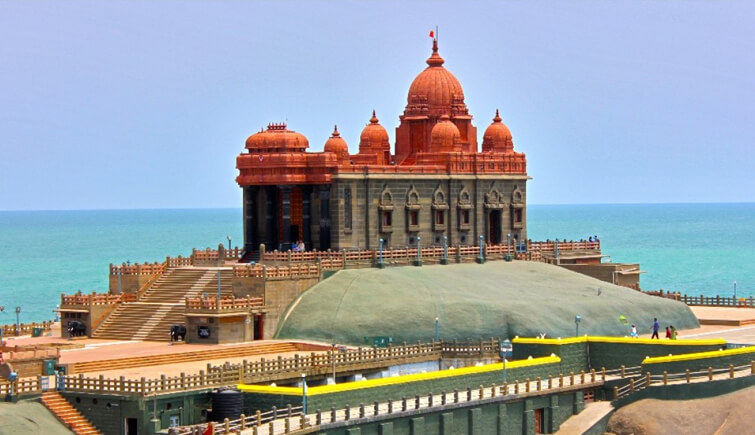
{"x":209,"y":431}
{"x":432,"y":34}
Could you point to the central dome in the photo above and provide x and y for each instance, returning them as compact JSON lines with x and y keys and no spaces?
{"x":435,"y":88}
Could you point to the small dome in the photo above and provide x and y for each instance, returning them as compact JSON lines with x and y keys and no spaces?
{"x":497,"y":137}
{"x":374,"y":138}
{"x":445,"y":136}
{"x":337,"y":145}
{"x":435,"y":87}
{"x":277,"y":138}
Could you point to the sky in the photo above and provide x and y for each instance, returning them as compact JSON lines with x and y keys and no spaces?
{"x":141,"y":104}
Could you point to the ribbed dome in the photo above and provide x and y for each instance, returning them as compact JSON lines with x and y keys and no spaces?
{"x":337,"y":145}
{"x":435,"y":88}
{"x":277,"y":139}
{"x":445,"y":137}
{"x":497,"y":137}
{"x":374,"y":138}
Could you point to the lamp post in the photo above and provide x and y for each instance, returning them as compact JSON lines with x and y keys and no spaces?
{"x":508,"y":247}
{"x":503,"y":347}
{"x":304,"y":394}
{"x":735,"y":292}
{"x":333,"y":357}
{"x":380,"y":258}
{"x":229,"y":242}
{"x":444,"y":260}
{"x":18,"y":323}
{"x":418,"y":261}
{"x":577,"y":319}
{"x":437,"y":330}
{"x":480,"y":258}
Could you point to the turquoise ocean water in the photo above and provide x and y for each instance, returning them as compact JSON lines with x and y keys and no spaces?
{"x":693,"y":248}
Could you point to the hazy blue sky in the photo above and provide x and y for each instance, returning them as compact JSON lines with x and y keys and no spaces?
{"x":146,"y":104}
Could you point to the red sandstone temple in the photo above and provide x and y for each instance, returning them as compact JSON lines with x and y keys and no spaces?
{"x":437,"y":185}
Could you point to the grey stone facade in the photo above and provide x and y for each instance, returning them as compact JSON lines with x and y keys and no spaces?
{"x":358,"y":210}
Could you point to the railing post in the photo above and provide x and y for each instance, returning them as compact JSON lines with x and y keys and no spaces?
{"x":615,"y":392}
{"x":287,"y":424}
{"x":603,"y":374}
{"x":550,"y":382}
{"x":560,"y":380}
{"x":259,"y":417}
{"x":623,"y":371}
{"x":710,"y":373}
{"x":332,"y":415}
{"x":318,"y":417}
{"x":592,"y":375}
{"x":516,"y":386}
{"x":361,"y":410}
{"x":581,"y":376}
{"x":731,"y":371}
{"x":647,"y":379}
{"x":687,"y":373}
{"x":571,"y":378}
{"x":665,"y":377}
{"x":243,"y":421}
{"x":752,"y":367}
{"x":631,"y":384}
{"x":527,"y":385}
{"x":376,"y":408}
{"x":347,"y":411}
{"x":227,"y":425}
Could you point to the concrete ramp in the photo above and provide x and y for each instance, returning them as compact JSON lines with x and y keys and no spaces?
{"x":585,"y":420}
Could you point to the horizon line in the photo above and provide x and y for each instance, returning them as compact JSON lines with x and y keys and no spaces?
{"x":239,"y":208}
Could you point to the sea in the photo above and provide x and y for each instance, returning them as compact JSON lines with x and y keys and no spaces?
{"x":692,"y":248}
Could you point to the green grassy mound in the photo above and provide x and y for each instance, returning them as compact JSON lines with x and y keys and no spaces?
{"x":472,"y":301}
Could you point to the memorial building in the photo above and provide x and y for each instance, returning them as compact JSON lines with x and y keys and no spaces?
{"x":436,"y":182}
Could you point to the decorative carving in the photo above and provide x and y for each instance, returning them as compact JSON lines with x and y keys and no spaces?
{"x":412,"y":199}
{"x":494,"y":198}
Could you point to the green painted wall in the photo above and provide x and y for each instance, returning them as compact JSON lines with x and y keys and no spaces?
{"x":396,"y":392}
{"x":699,"y":364}
{"x":614,"y":355}
{"x":489,"y":417}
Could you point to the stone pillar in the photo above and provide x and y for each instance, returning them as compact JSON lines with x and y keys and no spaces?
{"x":271,"y":213}
{"x":306,"y":216}
{"x":285,"y":239}
{"x":324,"y":217}
{"x":250,"y":218}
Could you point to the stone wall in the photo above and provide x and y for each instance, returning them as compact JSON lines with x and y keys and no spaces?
{"x":129,"y":283}
{"x":369,"y":197}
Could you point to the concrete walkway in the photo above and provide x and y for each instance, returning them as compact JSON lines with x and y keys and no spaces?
{"x":580,"y":423}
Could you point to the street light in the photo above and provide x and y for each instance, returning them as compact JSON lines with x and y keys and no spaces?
{"x":333,"y":358}
{"x":481,"y":259}
{"x":735,"y":292}
{"x":418,"y":261}
{"x":508,"y":247}
{"x":503,"y":348}
{"x":445,"y":251}
{"x":577,"y":319}
{"x":304,"y":394}
{"x":437,"y":330}
{"x":18,"y":323}
{"x":229,"y":242}
{"x":380,"y":259}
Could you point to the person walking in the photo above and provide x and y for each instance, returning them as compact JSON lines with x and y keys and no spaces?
{"x":655,"y":328}
{"x":673,"y":332}
{"x":668,"y":334}
{"x":633,"y":332}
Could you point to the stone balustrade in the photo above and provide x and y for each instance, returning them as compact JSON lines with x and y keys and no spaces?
{"x":137,"y":269}
{"x":82,"y":299}
{"x":291,"y":271}
{"x":26,"y":328}
{"x":226,"y":303}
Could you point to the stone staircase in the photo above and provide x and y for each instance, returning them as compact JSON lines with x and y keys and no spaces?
{"x":162,"y":304}
{"x":67,"y":414}
{"x":239,"y":351}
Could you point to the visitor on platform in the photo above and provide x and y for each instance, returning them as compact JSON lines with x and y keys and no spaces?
{"x":668,"y":333}
{"x":655,"y":328}
{"x":300,"y":246}
{"x":633,"y":332}
{"x":590,"y":240}
{"x":673,"y":332}
{"x":295,"y":246}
